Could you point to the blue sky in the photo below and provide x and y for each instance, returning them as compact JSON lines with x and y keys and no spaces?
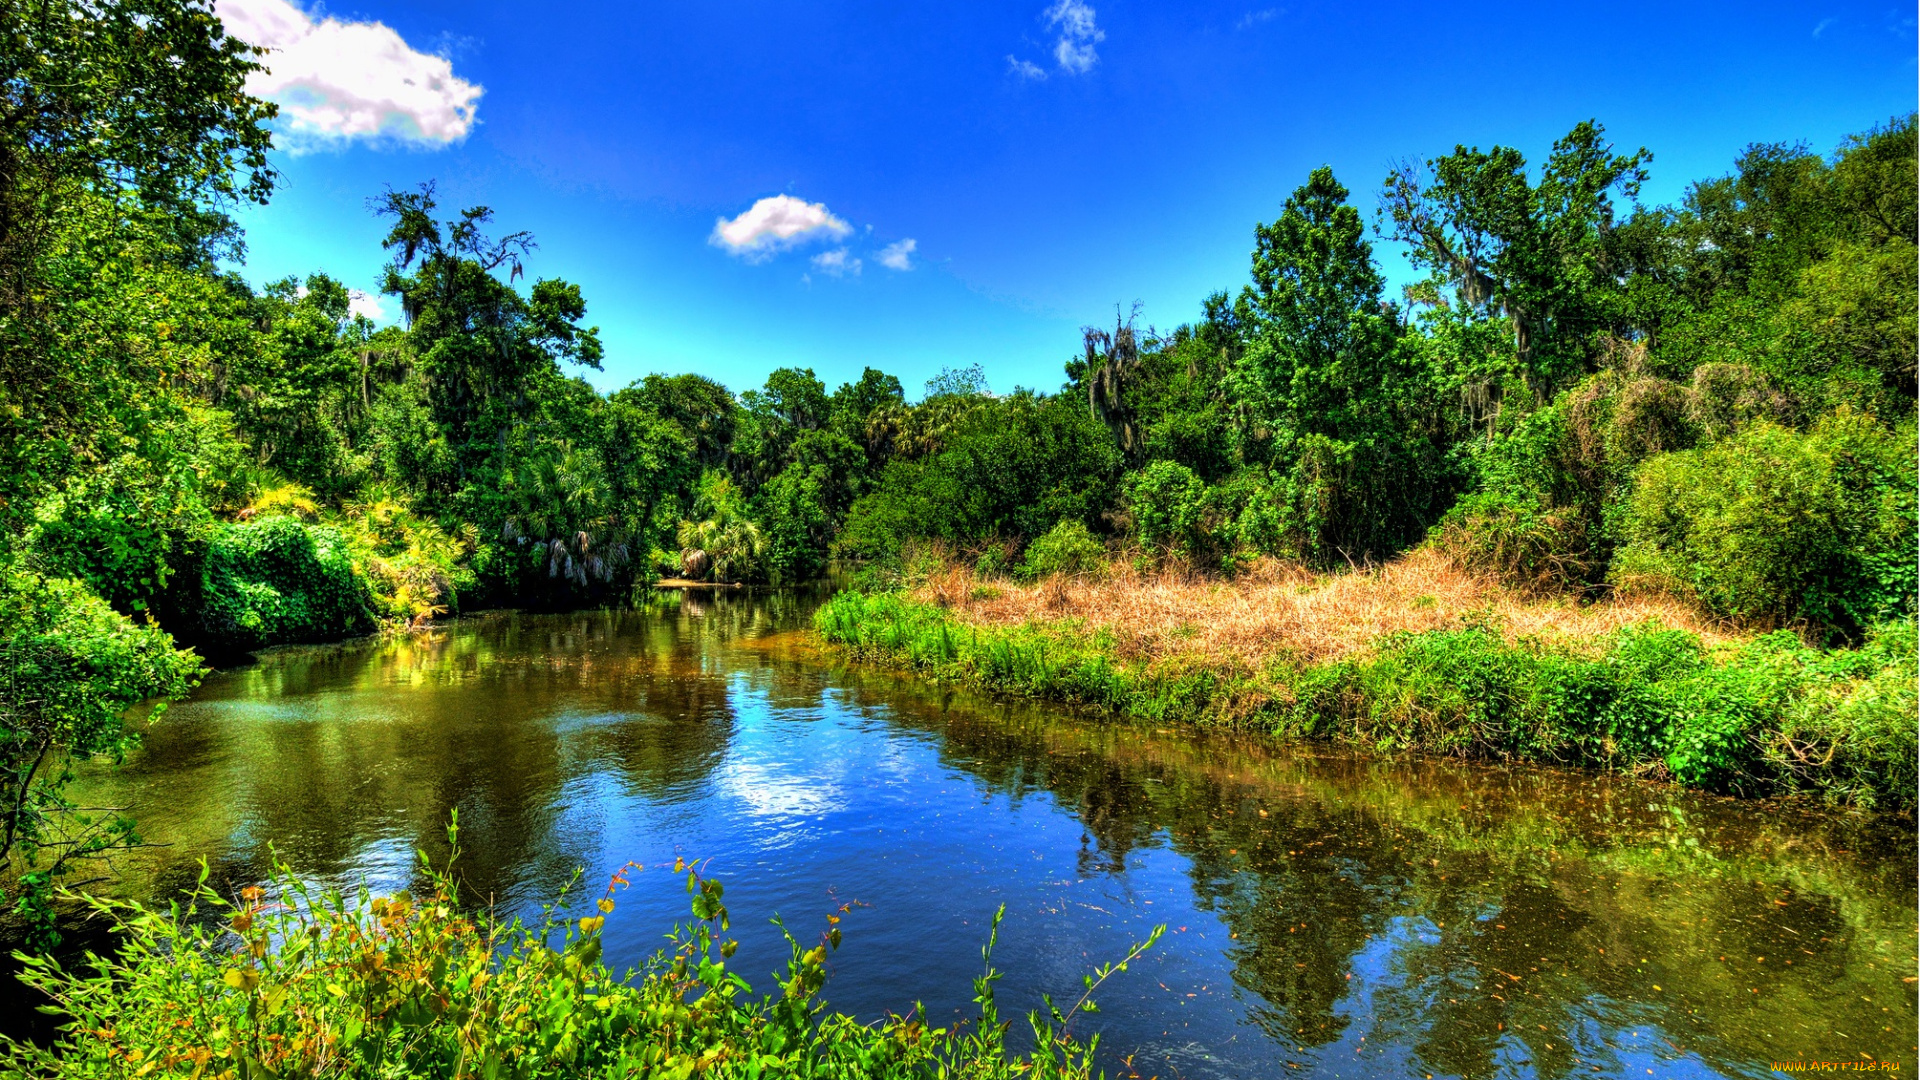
{"x":1048,"y":159}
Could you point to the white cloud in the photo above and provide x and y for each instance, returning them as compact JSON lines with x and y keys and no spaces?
{"x":360,"y":303}
{"x":1822,"y":27}
{"x":898,"y":255}
{"x":1078,"y":35}
{"x":836,"y":262}
{"x":1026,"y":69}
{"x":1254,"y":18}
{"x":336,"y":81}
{"x":774,"y":224}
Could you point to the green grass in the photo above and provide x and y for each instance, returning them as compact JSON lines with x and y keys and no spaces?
{"x":1768,"y":717}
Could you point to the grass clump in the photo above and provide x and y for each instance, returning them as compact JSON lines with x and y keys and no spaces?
{"x":311,"y":983}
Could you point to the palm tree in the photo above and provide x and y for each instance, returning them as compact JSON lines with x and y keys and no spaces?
{"x":730,"y":541}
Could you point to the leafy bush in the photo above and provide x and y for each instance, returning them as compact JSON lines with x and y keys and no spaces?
{"x":122,"y":529}
{"x":1009,"y":466}
{"x":1852,"y":733}
{"x":1778,"y":526}
{"x":1517,"y":539}
{"x":70,"y":668}
{"x":313,"y":983}
{"x":1169,"y":507}
{"x":1067,"y":548}
{"x":414,"y":568}
{"x":1725,"y":398}
{"x":1653,"y":698}
{"x":721,"y":528}
{"x":277,"y":581}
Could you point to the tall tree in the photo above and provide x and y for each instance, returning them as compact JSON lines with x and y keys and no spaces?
{"x":483,"y":347}
{"x":1534,"y":255}
{"x":1323,"y":387}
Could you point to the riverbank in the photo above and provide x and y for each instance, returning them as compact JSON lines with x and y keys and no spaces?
{"x":1418,"y":655}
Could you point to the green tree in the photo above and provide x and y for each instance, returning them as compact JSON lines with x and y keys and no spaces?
{"x":1328,"y":398}
{"x":487,"y":352}
{"x":1535,"y":256}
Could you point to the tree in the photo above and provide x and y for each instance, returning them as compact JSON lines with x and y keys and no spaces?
{"x":698,"y":406}
{"x":1534,"y":255}
{"x":143,"y":98}
{"x":1112,"y":361}
{"x":484,"y":348}
{"x":793,"y":402}
{"x":1327,"y":398}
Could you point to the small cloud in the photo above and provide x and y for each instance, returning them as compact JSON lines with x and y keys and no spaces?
{"x":1254,"y":18}
{"x":898,"y":255}
{"x":1026,"y":69}
{"x":360,"y":303}
{"x":837,"y":263}
{"x":1074,"y":50}
{"x":775,"y":224}
{"x":1821,"y":27}
{"x":338,"y":81}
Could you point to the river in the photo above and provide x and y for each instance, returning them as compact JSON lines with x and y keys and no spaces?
{"x":1327,"y":913}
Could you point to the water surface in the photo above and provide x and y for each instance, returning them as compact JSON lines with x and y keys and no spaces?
{"x":1326,"y":914}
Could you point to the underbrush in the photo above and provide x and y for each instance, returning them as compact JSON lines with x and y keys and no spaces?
{"x":309,"y":983}
{"x":1762,"y":717}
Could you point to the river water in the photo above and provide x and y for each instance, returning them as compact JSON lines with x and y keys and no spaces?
{"x":1326,"y":914}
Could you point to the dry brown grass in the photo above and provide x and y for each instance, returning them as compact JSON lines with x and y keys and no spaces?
{"x":1283,"y":610}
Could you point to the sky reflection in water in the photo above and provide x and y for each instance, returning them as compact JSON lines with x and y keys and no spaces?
{"x":1327,"y":914}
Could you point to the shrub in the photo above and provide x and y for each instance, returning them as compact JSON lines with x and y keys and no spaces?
{"x":276,"y":581}
{"x":1168,"y":503}
{"x":121,"y":529}
{"x":1725,"y":398}
{"x":1852,"y":734}
{"x":1010,"y":466}
{"x":71,"y":667}
{"x":1067,"y":548}
{"x":323,"y":984}
{"x":1779,"y":527}
{"x":1518,"y":540}
{"x":414,"y":568}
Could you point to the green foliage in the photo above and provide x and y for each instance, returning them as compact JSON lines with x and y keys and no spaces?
{"x":701,"y":408}
{"x":276,"y":581}
{"x":1524,"y":252}
{"x":733,"y":543}
{"x":801,"y":507}
{"x":70,"y":668}
{"x":1331,"y":401}
{"x":1780,"y":526}
{"x":120,"y":529}
{"x":413,"y":568}
{"x":1770,"y":716}
{"x":1067,"y":548}
{"x":316,"y":982}
{"x":1715,"y":396}
{"x":1056,"y":665}
{"x":1168,"y":505}
{"x":1011,"y":467}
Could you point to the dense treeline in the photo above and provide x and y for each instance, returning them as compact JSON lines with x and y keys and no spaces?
{"x":1714,"y":398}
